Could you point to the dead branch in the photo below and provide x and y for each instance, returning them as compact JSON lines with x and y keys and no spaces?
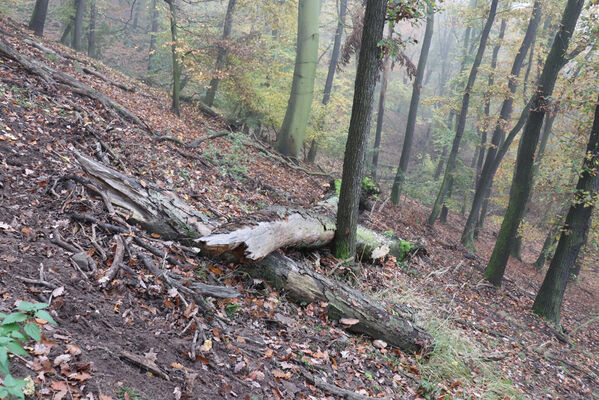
{"x":108,"y":80}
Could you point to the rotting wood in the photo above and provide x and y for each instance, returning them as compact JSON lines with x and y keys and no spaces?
{"x":145,"y":363}
{"x":302,"y":284}
{"x":195,"y":143}
{"x":156,"y":210}
{"x":261,"y":233}
{"x":337,"y":391}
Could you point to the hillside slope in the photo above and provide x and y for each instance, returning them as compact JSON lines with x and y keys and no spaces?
{"x":489,"y":345}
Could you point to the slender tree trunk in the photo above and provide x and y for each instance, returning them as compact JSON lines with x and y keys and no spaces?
{"x":548,"y":244}
{"x":223,"y":51}
{"x":548,"y":302}
{"x":153,"y":31}
{"x":406,"y":150}
{"x":379,"y":118}
{"x":485,"y":181}
{"x":78,"y":29}
{"x":176,"y":63}
{"x":357,"y":140}
{"x":91,"y":43}
{"x":487,"y":110}
{"x":520,"y":190}
{"x":328,"y":86}
{"x":293,"y":131}
{"x":66,"y":38}
{"x":451,"y":162}
{"x":38,"y":17}
{"x":139,"y":6}
{"x":441,"y":163}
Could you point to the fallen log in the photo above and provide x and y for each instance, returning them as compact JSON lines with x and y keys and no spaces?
{"x":107,"y":79}
{"x":156,"y":210}
{"x":266,"y":231}
{"x":164,"y":213}
{"x":302,"y":284}
{"x":51,"y":75}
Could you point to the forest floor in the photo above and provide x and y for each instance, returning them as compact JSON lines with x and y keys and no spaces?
{"x":488,"y":343}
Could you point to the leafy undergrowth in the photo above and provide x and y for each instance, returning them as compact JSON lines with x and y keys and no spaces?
{"x":260,"y":346}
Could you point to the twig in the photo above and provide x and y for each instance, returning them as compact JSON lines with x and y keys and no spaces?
{"x":116,"y":262}
{"x":36,"y":282}
{"x":343,"y":393}
{"x":57,"y":240}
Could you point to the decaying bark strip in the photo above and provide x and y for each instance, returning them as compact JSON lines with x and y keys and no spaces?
{"x":108,"y":80}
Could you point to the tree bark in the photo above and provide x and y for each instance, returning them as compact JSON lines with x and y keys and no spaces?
{"x":303,"y":284}
{"x":548,"y":244}
{"x":78,"y":27}
{"x":451,"y":161}
{"x":38,"y":17}
{"x":293,"y":131}
{"x":523,"y":174}
{"x":357,"y":138}
{"x":574,"y":233}
{"x":492,"y":160}
{"x":175,"y":57}
{"x":223,"y":51}
{"x":406,"y":150}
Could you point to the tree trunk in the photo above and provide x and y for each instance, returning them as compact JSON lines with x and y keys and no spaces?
{"x":153,"y":30}
{"x":139,"y":6}
{"x":380,"y":117}
{"x":91,"y":43}
{"x":359,"y":127}
{"x":78,"y":29}
{"x":523,"y":174}
{"x":451,"y":161}
{"x":38,"y":17}
{"x":293,"y":131}
{"x":487,"y":110}
{"x":302,"y":284}
{"x":406,"y":150}
{"x":548,"y":244}
{"x":574,"y":234}
{"x":486,"y":177}
{"x":328,"y":86}
{"x":66,"y":38}
{"x":223,"y":51}
{"x":176,"y":63}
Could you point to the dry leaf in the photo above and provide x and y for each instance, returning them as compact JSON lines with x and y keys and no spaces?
{"x":207,"y":346}
{"x":62,"y":359}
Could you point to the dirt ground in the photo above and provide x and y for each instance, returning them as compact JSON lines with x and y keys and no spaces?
{"x":259,"y":346}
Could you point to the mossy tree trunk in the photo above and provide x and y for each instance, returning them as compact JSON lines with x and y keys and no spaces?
{"x":357,"y":139}
{"x":38,"y":17}
{"x":223,"y":51}
{"x":548,"y":244}
{"x":523,"y":174}
{"x":292,"y":134}
{"x":574,"y":233}
{"x":451,"y":161}
{"x":485,"y":180}
{"x":176,"y":63}
{"x":406,"y":150}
